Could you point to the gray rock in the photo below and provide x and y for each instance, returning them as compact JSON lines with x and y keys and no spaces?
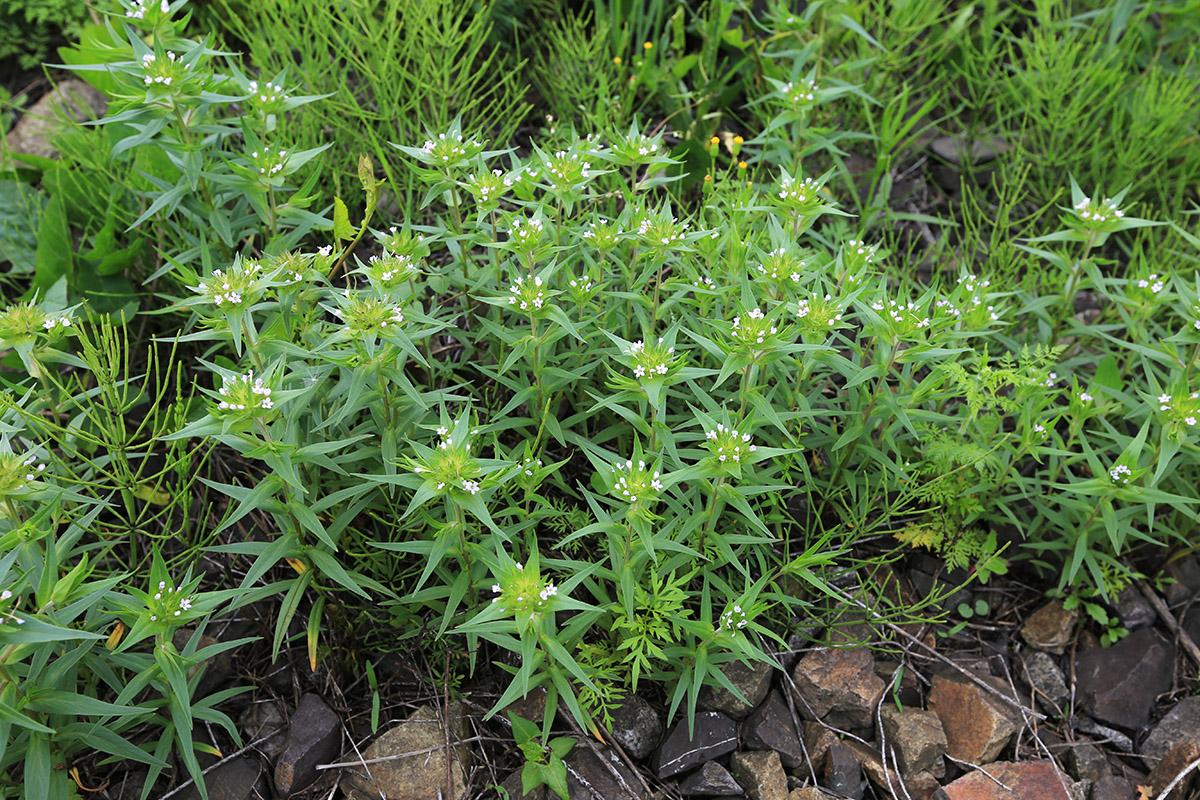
{"x":917,"y":739}
{"x":958,"y":149}
{"x":598,"y":774}
{"x":752,"y":680}
{"x":71,"y":99}
{"x":532,"y":706}
{"x":1081,"y":790}
{"x":1180,"y":726}
{"x":314,"y":737}
{"x":264,"y":720}
{"x":1134,"y":609}
{"x":1119,"y":684}
{"x":416,"y":777}
{"x":770,"y":727}
{"x":714,"y":735}
{"x":1086,"y":762}
{"x":237,"y":779}
{"x":711,"y":780}
{"x":1113,"y":788}
{"x":761,"y":773}
{"x":513,"y":785}
{"x":843,"y":773}
{"x":1047,"y":679}
{"x":1185,"y":574}
{"x":637,"y":727}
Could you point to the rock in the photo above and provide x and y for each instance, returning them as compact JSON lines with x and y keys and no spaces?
{"x":817,"y":740}
{"x":237,"y":779}
{"x":807,"y":793}
{"x":770,"y":727}
{"x":839,"y":685}
{"x":1081,"y":790}
{"x":513,"y":784}
{"x":1119,"y":684}
{"x":710,"y":780}
{"x":314,"y":737}
{"x":532,"y":706}
{"x":959,"y":149}
{"x":714,"y":735}
{"x":1183,"y":582}
{"x":1087,"y":763}
{"x":751,"y":680}
{"x":1173,"y":763}
{"x":921,"y":786}
{"x":1047,"y":680}
{"x":1026,"y":780}
{"x":917,"y":739}
{"x":264,"y":720}
{"x":599,"y":774}
{"x":1113,"y":788}
{"x":1180,"y":726}
{"x":72,"y":99}
{"x":761,"y":773}
{"x":843,"y":772}
{"x":1134,"y":609}
{"x":977,"y":726}
{"x":637,"y":727}
{"x":417,"y":777}
{"x":1050,"y":627}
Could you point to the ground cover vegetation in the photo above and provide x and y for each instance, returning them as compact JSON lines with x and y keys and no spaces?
{"x":581,"y":346}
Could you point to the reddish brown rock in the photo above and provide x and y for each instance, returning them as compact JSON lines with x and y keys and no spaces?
{"x":978,"y":726}
{"x":1175,"y":762}
{"x":1026,"y":780}
{"x":1050,"y":627}
{"x":839,"y":685}
{"x":817,"y":740}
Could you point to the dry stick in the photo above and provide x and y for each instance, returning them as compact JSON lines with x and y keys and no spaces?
{"x":883,"y":743}
{"x":1178,"y":778}
{"x":409,"y":754}
{"x":1042,"y":745}
{"x":1168,"y":619}
{"x":966,"y":673}
{"x":995,"y":780}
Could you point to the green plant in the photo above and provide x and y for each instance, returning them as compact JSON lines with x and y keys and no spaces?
{"x":35,"y":25}
{"x":543,"y":763}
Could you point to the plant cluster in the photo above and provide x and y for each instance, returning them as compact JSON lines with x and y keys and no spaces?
{"x":607,"y":408}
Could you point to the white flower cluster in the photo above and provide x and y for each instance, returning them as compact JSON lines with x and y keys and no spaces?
{"x":902,"y":313}
{"x":1098,"y":213}
{"x":5,"y":614}
{"x":1085,"y":397}
{"x":526,"y":232}
{"x":530,"y":465}
{"x":364,"y":313}
{"x":754,"y":329}
{"x":602,"y":234}
{"x":634,"y":482}
{"x":856,"y":253}
{"x":230,"y":286}
{"x":169,"y":602}
{"x":243,"y":392}
{"x":1120,"y":474}
{"x":51,"y":323}
{"x":138,"y":11}
{"x":1152,"y":282}
{"x":801,"y":93}
{"x":269,"y":93}
{"x":269,"y":163}
{"x":1051,"y":379}
{"x":527,"y":296}
{"x":733,"y":619}
{"x":781,"y":264}
{"x":470,"y":487}
{"x":1185,"y":411}
{"x":491,"y":186}
{"x":390,"y":268}
{"x":727,"y":443}
{"x":660,"y":233}
{"x":33,"y":471}
{"x":448,"y":148}
{"x":818,"y":310}
{"x":651,"y":361}
{"x":801,"y":192}
{"x":162,"y":72}
{"x":568,"y":168}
